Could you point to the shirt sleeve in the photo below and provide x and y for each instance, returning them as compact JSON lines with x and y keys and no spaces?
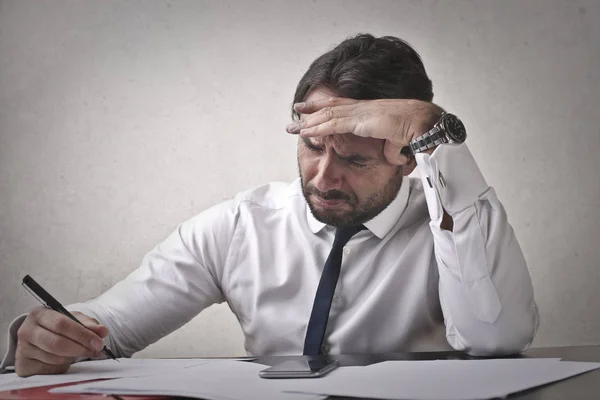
{"x":485,"y":289}
{"x":176,"y":280}
{"x":9,"y":358}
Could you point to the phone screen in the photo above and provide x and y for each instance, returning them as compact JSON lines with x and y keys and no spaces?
{"x":300,"y":369}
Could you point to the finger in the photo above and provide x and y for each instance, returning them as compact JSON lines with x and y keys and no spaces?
{"x":100,"y":330}
{"x":99,"y":355}
{"x":29,"y":351}
{"x":60,"y":345}
{"x":68,"y":329}
{"x":33,"y":331}
{"x":320,"y":117}
{"x":92,"y":324}
{"x":393,"y":154}
{"x":333,"y":126}
{"x":29,"y":367}
{"x":54,"y":343}
{"x":310,"y":107}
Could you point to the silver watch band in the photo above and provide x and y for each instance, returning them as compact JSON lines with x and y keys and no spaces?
{"x":428,"y":140}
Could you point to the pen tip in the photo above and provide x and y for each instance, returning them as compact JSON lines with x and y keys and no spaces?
{"x":109,"y":353}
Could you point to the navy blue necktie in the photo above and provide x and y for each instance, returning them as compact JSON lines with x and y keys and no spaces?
{"x":329,"y":277}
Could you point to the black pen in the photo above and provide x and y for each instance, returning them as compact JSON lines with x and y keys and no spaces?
{"x":50,"y":302}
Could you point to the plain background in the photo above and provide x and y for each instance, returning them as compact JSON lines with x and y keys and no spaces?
{"x":118,"y":120}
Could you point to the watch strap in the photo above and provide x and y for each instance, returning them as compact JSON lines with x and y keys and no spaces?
{"x":432,"y":138}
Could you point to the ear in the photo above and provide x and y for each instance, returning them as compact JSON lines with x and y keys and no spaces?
{"x":410,"y":166}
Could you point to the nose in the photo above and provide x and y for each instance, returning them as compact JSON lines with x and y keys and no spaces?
{"x":329,"y":175}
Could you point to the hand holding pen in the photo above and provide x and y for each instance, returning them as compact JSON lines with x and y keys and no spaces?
{"x":51,"y":339}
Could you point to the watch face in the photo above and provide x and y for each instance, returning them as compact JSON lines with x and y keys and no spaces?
{"x":455,"y":128}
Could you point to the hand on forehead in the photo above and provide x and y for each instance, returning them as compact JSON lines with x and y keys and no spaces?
{"x":373,"y":128}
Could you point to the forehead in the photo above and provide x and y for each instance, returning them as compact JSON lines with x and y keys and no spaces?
{"x":345,"y":143}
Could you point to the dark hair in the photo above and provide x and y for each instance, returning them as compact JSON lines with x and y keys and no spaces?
{"x":366,"y":68}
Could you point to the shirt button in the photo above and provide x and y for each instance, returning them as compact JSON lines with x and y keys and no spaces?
{"x":325,"y":349}
{"x":336,"y":300}
{"x":346,"y":250}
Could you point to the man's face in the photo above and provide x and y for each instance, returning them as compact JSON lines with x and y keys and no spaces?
{"x":346,"y":179}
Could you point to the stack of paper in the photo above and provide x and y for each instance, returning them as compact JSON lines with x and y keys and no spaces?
{"x":441,"y":379}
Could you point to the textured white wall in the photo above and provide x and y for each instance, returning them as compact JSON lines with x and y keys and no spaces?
{"x":118,"y":120}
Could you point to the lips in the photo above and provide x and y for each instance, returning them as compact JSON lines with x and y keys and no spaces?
{"x":327,"y":203}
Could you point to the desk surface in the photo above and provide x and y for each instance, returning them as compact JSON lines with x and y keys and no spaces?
{"x":585,"y":386}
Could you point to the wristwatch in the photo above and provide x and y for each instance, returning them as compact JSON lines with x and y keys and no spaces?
{"x":449,"y":129}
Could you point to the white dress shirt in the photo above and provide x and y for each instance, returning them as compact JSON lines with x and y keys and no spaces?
{"x":405,"y":284}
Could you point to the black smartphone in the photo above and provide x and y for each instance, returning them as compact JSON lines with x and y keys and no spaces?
{"x":300,"y":369}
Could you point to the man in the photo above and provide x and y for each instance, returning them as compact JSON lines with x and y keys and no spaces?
{"x":415,"y":264}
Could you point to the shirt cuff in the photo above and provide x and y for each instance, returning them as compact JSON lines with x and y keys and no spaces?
{"x":451,"y":179}
{"x":10,"y":356}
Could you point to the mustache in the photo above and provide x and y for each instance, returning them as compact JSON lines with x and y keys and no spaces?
{"x":330,"y":194}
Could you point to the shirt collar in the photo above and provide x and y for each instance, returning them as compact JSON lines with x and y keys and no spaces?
{"x":383,"y":223}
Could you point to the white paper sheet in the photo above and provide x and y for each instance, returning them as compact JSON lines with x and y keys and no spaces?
{"x":446,"y":379}
{"x":431,"y":380}
{"x":100,"y":369}
{"x":228,"y":380}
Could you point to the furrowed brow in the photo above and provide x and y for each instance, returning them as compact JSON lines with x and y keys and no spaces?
{"x":308,"y":143}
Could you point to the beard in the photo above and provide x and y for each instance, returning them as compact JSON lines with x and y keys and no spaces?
{"x":360,"y":211}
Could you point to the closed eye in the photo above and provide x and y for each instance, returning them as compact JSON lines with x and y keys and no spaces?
{"x":357,"y":162}
{"x":311,"y":146}
{"x":353,"y":160}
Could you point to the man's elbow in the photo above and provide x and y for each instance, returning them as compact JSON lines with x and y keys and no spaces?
{"x":502,"y":346}
{"x":501,"y":338}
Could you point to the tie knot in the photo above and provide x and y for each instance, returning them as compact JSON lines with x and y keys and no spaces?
{"x":343,"y":235}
